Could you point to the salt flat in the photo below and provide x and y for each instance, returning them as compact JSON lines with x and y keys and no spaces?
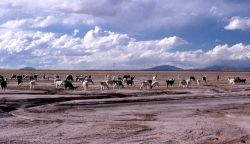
{"x":213,"y":112}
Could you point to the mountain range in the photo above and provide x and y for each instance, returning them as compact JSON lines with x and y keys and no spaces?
{"x":174,"y":68}
{"x":210,"y":68}
{"x":164,"y":68}
{"x":225,"y":68}
{"x":27,"y":68}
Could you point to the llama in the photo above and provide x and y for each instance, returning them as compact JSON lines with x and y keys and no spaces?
{"x":104,"y":85}
{"x":198,"y":82}
{"x":192,"y":78}
{"x":243,"y":81}
{"x":31,"y":77}
{"x":13,"y":76}
{"x":145,"y":84}
{"x":19,"y":81}
{"x":218,"y":77}
{"x":68,"y":84}
{"x":59,"y":83}
{"x":130,"y":81}
{"x":170,"y":82}
{"x":204,"y":78}
{"x":154,"y":84}
{"x":149,"y":85}
{"x":20,"y":78}
{"x":1,"y":78}
{"x":32,"y":84}
{"x":231,"y":81}
{"x":118,"y":84}
{"x":110,"y":82}
{"x":86,"y":83}
{"x":45,"y":77}
{"x":124,"y":80}
{"x":238,"y":80}
{"x":69,"y":78}
{"x":3,"y":84}
{"x":185,"y":83}
{"x":151,"y":81}
{"x":35,"y":76}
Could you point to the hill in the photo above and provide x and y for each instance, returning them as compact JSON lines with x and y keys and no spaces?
{"x":27,"y":68}
{"x":164,"y":68}
{"x":225,"y":68}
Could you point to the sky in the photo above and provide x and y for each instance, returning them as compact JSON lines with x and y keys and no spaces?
{"x":124,"y":34}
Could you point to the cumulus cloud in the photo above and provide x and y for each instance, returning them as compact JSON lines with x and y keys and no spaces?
{"x":238,"y":23}
{"x":39,"y":22}
{"x":100,"y":49}
{"x":44,"y":22}
{"x":133,"y":15}
{"x":12,"y":24}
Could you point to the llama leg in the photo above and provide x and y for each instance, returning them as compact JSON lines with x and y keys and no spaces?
{"x":141,"y":86}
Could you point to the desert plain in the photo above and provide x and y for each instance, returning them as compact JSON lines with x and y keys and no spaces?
{"x":214,"y":112}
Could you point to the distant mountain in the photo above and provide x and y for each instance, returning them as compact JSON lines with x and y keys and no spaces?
{"x":27,"y":68}
{"x":164,"y":68}
{"x":225,"y":68}
{"x":210,"y":68}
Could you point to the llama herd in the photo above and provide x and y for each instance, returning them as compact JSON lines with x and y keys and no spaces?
{"x":67,"y":83}
{"x":114,"y":82}
{"x":119,"y":82}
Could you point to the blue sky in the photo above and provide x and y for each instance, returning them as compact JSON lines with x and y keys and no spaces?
{"x":123,"y":34}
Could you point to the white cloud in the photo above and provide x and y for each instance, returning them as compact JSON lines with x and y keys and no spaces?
{"x":214,"y":11}
{"x":238,"y":23}
{"x":75,"y":32}
{"x":13,"y":24}
{"x":38,"y":22}
{"x":171,"y":41}
{"x":224,"y":52}
{"x":100,"y":49}
{"x":49,"y":20}
{"x":43,"y":22}
{"x":132,"y":15}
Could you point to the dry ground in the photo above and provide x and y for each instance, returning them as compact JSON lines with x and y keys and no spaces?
{"x":214,"y":112}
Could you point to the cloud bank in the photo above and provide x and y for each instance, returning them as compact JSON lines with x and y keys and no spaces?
{"x":132,"y":15}
{"x":238,"y":23}
{"x":99,"y":49}
{"x":59,"y":34}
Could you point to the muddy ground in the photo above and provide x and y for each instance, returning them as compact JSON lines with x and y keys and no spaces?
{"x":212,"y":113}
